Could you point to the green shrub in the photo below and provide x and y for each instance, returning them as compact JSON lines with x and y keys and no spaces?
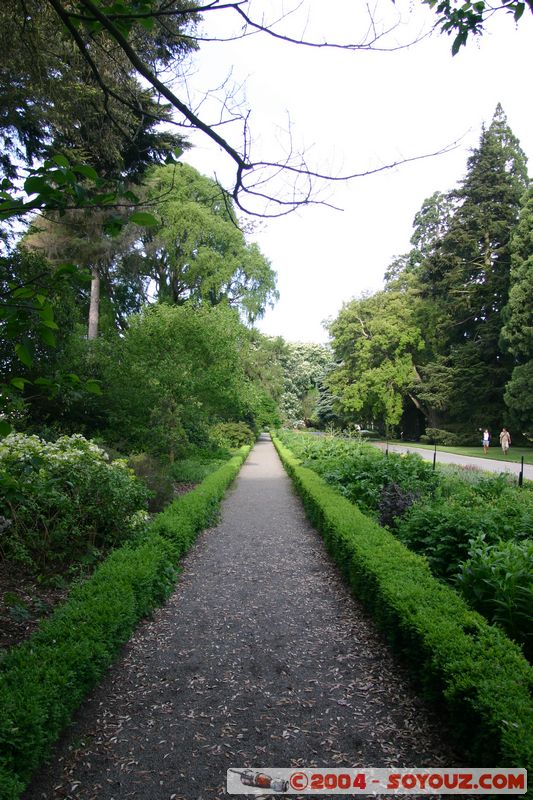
{"x":232,"y":434}
{"x":195,"y":468}
{"x":442,"y":532}
{"x":155,"y":476}
{"x":437,"y":436}
{"x":458,"y":658}
{"x":394,"y":503}
{"x":44,"y":680}
{"x":497,"y":580}
{"x":64,"y":499}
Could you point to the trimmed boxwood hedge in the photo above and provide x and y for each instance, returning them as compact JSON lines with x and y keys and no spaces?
{"x":44,"y":680}
{"x":457,"y":657}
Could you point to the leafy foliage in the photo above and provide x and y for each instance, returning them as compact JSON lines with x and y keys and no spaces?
{"x":198,"y":252}
{"x":462,"y":18}
{"x":436,"y":436}
{"x":359,"y":471}
{"x":374,"y":340}
{"x":176,"y":371}
{"x":64,"y":500}
{"x":497,"y":580}
{"x":304,"y":369}
{"x":442,"y":515}
{"x":232,"y":435}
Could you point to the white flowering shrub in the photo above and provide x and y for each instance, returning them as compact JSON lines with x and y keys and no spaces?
{"x":64,"y":500}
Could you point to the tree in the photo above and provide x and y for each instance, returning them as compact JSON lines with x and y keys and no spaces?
{"x":374,"y":341}
{"x":118,"y":42}
{"x":519,"y":399}
{"x":198,"y":253}
{"x":467,"y":274}
{"x":176,"y":371}
{"x":79,"y":237}
{"x":66,"y":87}
{"x":304,"y":366}
{"x":517,"y":331}
{"x":467,"y":17}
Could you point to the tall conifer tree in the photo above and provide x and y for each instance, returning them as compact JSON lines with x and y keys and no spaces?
{"x":517,"y":332}
{"x":468,"y":275}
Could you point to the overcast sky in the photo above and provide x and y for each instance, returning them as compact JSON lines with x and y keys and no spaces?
{"x":354,"y":111}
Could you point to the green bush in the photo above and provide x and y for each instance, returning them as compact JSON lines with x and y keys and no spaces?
{"x":442,"y":532}
{"x":497,"y":580}
{"x":155,"y":475}
{"x":197,"y":466}
{"x":437,"y":436}
{"x":44,"y":680}
{"x":232,"y":434}
{"x":64,"y":499}
{"x":457,"y":657}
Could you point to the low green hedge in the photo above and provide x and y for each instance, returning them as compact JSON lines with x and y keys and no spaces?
{"x":482,"y":677}
{"x":44,"y":680}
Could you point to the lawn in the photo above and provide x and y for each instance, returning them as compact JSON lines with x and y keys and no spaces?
{"x":495,"y":452}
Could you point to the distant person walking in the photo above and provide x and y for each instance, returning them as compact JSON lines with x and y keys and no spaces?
{"x":505,"y":440}
{"x":486,"y":441}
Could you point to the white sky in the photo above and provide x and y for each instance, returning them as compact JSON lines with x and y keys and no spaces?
{"x":353,"y":111}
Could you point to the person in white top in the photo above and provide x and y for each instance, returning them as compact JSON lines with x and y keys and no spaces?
{"x":505,"y":440}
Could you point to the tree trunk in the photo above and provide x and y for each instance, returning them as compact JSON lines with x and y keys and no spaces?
{"x":94,"y":307}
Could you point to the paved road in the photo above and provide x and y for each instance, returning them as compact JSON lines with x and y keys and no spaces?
{"x":463,"y":461}
{"x":260,"y":658}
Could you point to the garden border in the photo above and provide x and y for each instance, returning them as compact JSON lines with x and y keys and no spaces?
{"x":45,"y":679}
{"x":459,"y":660}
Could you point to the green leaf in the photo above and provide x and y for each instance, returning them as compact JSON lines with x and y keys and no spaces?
{"x":36,"y":185}
{"x":86,"y":171}
{"x":113,"y":225}
{"x":47,"y":336}
{"x":23,"y":354}
{"x":65,"y":269}
{"x":61,"y":160}
{"x":5,"y":428}
{"x":23,"y":293}
{"x":93,"y":387}
{"x":49,"y":323}
{"x":147,"y":23}
{"x":19,"y":383}
{"x":143,"y":218}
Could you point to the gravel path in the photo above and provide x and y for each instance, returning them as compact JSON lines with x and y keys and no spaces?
{"x":260,"y":658}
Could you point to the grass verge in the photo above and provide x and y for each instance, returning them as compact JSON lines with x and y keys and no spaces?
{"x":460,"y":660}
{"x":495,"y":453}
{"x":44,"y":680}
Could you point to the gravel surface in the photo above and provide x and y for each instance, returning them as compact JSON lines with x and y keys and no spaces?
{"x":260,"y":658}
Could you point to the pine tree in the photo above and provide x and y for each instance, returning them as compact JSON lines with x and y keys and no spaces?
{"x":468,"y":275}
{"x":517,"y":332}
